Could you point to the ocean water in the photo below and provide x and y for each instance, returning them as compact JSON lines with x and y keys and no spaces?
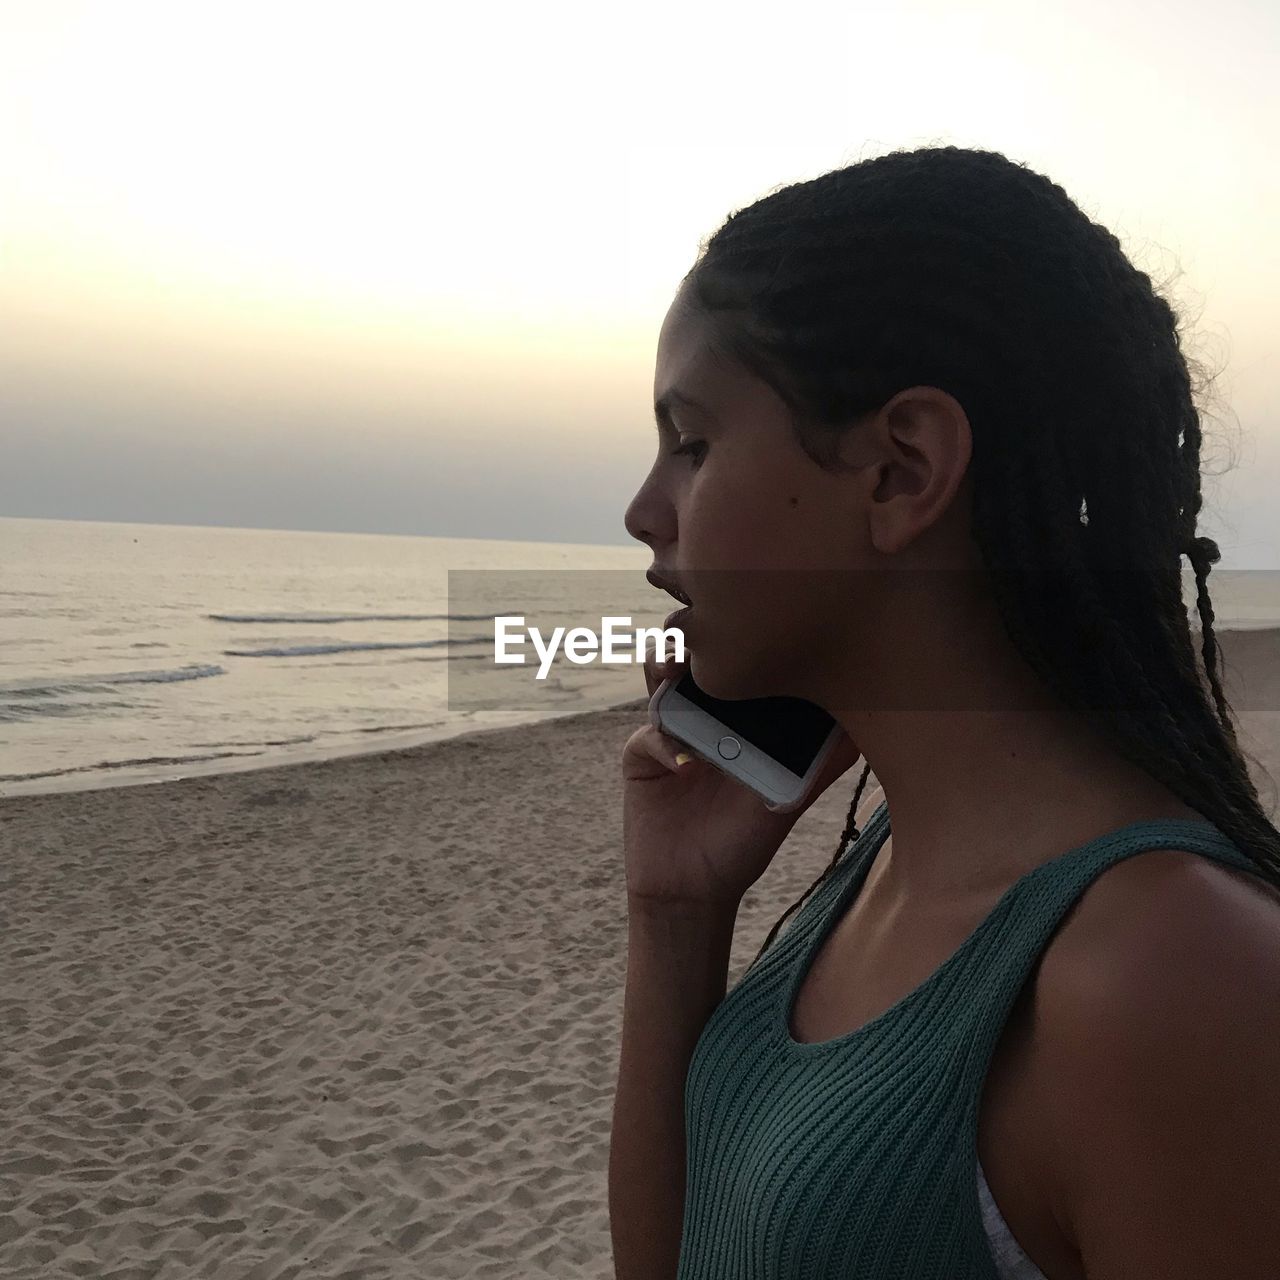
{"x":137,"y":653}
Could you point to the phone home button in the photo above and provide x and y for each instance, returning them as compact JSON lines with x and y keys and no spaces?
{"x":729,"y":747}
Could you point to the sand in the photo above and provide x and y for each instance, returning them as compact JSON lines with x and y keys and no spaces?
{"x":355,"y":1018}
{"x":351,"y":1018}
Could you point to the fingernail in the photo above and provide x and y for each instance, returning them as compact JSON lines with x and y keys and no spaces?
{"x":683,"y":757}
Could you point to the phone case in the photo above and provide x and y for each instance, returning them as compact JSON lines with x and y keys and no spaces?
{"x":655,"y":718}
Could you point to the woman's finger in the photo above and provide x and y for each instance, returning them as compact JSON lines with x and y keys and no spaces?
{"x":650,"y":753}
{"x":656,"y":672}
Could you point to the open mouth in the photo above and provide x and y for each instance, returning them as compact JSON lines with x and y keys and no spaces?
{"x":665,"y":584}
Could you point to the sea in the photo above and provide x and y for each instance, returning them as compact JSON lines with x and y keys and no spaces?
{"x":140,"y":653}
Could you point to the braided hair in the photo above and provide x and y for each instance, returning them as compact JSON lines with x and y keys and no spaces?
{"x":964,"y":270}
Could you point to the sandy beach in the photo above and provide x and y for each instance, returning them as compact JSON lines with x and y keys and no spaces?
{"x":353,"y":1018}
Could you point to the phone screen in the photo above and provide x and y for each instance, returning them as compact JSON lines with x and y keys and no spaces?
{"x":791,"y":730}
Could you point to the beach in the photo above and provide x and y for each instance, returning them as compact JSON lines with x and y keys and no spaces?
{"x":347,"y":1018}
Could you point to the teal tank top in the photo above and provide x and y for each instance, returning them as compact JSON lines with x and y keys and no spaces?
{"x":857,"y":1156}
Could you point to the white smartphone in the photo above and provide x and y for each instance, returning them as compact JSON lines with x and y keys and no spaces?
{"x":775,"y":746}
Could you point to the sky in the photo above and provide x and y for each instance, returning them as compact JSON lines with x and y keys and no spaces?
{"x":401,"y":268}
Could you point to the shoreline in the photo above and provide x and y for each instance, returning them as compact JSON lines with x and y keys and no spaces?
{"x":391,"y":741}
{"x":1253,"y":651}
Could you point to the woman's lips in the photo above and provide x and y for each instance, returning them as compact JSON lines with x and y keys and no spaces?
{"x":677,"y":617}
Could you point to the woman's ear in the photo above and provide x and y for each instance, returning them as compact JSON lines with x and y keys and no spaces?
{"x":926,"y":445}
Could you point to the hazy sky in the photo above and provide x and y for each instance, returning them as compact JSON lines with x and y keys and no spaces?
{"x":401,"y":267}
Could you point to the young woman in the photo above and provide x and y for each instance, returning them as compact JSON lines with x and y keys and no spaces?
{"x":929,"y":457}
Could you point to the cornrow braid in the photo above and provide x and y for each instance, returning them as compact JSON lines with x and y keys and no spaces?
{"x":964,"y":270}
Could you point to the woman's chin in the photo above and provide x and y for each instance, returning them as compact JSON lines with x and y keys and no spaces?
{"x":727,"y":674}
{"x":721,"y":666}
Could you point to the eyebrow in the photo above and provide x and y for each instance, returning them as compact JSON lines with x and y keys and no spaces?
{"x":673,"y":396}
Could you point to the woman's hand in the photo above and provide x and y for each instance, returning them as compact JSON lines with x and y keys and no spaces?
{"x":691,"y":833}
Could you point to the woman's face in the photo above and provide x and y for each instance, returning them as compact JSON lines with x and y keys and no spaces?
{"x":761,"y":538}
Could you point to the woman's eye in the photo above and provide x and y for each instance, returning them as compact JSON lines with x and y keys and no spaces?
{"x":694,"y":448}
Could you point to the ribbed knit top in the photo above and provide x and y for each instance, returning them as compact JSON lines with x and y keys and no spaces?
{"x":856,"y":1157}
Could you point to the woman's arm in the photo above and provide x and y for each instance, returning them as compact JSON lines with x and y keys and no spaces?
{"x":1160,"y":1026}
{"x":677,"y":970}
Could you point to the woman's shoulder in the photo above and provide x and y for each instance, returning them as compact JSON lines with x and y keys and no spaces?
{"x":1158,"y":942}
{"x":1154,"y":1056}
{"x":1161,"y":920}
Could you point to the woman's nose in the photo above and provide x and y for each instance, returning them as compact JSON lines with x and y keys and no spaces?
{"x":650,"y":517}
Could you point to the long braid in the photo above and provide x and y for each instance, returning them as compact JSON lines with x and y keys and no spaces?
{"x":847,"y":839}
{"x":963,"y":270}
